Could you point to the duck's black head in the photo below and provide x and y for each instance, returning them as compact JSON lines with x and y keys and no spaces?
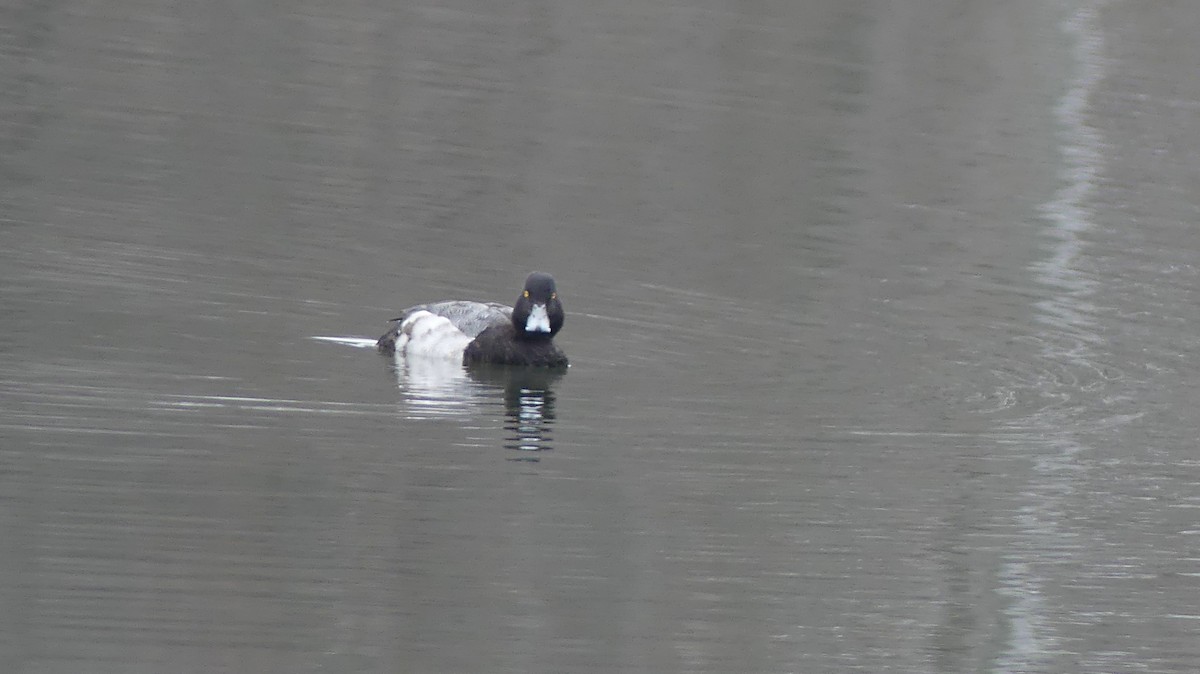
{"x":538,"y":313}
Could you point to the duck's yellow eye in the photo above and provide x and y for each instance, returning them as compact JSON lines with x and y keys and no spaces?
{"x":525,"y":293}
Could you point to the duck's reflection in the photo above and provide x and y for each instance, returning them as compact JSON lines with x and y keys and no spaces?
{"x":433,"y":389}
{"x":528,"y":406}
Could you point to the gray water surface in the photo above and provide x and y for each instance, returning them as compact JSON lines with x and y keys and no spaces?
{"x":882,"y":319}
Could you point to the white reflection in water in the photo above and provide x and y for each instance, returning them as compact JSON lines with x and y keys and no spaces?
{"x":1069,"y":342}
{"x":438,"y":388}
{"x":435,"y":387}
{"x":432,"y":387}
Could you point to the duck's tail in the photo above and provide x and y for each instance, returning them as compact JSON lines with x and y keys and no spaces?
{"x":387,"y":342}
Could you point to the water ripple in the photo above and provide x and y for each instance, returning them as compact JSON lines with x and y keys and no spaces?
{"x":1073,"y":374}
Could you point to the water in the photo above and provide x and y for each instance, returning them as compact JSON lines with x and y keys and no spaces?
{"x":880,"y":318}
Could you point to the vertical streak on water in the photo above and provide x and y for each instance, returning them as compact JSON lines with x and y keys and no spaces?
{"x":1067,"y":309}
{"x":1068,"y":344}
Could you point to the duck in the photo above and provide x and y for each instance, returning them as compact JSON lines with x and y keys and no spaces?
{"x":484,"y":333}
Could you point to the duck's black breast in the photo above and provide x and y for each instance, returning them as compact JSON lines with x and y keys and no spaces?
{"x":499,"y":345}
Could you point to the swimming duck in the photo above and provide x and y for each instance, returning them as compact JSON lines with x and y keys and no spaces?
{"x":484,"y":332}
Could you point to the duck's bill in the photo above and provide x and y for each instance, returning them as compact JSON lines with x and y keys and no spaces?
{"x":539,"y":320}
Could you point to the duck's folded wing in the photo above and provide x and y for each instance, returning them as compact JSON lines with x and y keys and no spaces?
{"x":471,"y":318}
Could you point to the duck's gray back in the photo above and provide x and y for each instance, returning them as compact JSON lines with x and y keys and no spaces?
{"x":471,"y":318}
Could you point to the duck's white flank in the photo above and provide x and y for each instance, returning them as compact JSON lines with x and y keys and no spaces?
{"x":426,"y":335}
